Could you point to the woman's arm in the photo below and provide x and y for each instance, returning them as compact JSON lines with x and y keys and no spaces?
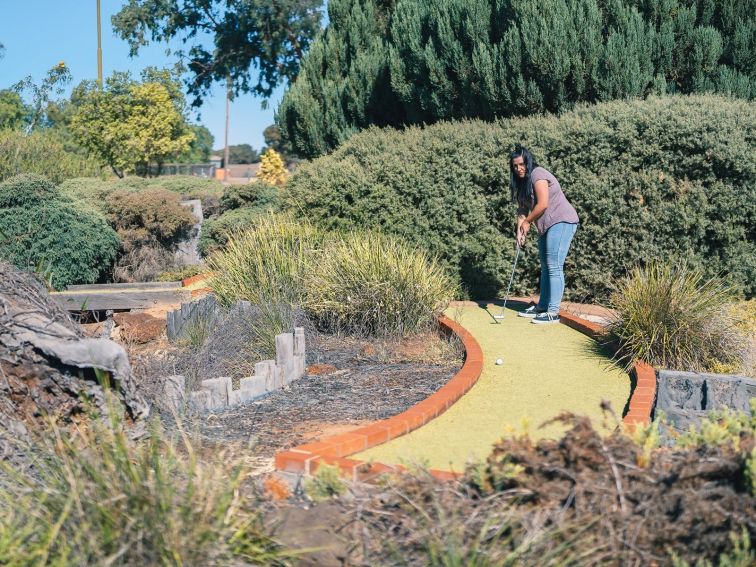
{"x":541,"y":188}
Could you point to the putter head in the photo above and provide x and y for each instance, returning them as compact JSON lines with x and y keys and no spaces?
{"x":498,"y":316}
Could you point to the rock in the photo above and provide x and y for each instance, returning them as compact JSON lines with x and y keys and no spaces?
{"x":139,"y":327}
{"x":319,"y":369}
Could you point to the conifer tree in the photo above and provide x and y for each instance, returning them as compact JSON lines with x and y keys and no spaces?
{"x":399,"y":62}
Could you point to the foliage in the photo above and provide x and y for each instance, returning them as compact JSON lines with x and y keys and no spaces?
{"x":272,"y":169}
{"x":325,"y":483}
{"x":660,"y":178}
{"x":216,"y":232}
{"x":375,"y":285}
{"x":259,"y":194}
{"x":671,"y":316}
{"x":274,"y":139}
{"x":264,"y":264}
{"x":393,"y":63}
{"x":94,"y":192}
{"x":13,"y":111}
{"x":742,"y":554}
{"x":98,"y":498}
{"x":242,"y":153}
{"x":200,"y":147}
{"x":55,"y":82}
{"x":42,"y":230}
{"x":155,"y":215}
{"x":41,"y":153}
{"x":129,"y":125}
{"x":270,"y":36}
{"x":721,"y":427}
{"x":184,"y":272}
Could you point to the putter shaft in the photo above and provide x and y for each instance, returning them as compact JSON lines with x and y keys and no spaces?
{"x":509,"y":287}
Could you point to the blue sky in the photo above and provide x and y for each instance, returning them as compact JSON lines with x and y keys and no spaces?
{"x":37,"y":34}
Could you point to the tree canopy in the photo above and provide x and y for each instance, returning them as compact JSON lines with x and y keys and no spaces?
{"x":400,"y":62}
{"x":130,"y":125}
{"x":270,"y":36}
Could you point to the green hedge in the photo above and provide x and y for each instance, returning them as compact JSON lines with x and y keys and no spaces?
{"x":42,"y":230}
{"x":659,"y":178}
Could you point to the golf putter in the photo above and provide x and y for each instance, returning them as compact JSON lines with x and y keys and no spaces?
{"x":509,"y":287}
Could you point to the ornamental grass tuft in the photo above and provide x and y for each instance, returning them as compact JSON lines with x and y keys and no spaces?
{"x":95,"y":497}
{"x":370,"y":284}
{"x":671,"y":316}
{"x":264,"y":264}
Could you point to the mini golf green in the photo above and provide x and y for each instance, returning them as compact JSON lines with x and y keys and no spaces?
{"x":547,"y":369}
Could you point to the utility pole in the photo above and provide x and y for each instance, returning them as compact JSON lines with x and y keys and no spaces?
{"x":228,"y":110}
{"x":99,"y":47}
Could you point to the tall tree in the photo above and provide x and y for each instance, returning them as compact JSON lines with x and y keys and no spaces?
{"x":13,"y":111}
{"x":384,"y":62}
{"x":269,"y":36}
{"x":130,"y":125}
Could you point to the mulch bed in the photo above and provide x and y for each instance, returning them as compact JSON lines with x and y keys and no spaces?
{"x":368,"y":384}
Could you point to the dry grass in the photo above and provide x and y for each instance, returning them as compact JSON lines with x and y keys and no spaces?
{"x":95,"y":497}
{"x":671,"y":316}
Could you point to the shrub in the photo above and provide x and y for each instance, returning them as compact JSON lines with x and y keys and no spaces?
{"x":371,"y":284}
{"x":259,"y":194}
{"x":657,"y":178}
{"x":153,"y":214}
{"x":94,"y":190}
{"x":264,"y":264}
{"x":98,"y":498}
{"x":272,"y":169}
{"x":216,"y":232}
{"x":671,"y":316}
{"x":41,"y":229}
{"x":41,"y":153}
{"x":182,"y":273}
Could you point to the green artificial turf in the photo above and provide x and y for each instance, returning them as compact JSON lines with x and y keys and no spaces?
{"x":547,"y":369}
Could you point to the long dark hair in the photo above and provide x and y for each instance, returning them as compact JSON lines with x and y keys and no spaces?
{"x":522,"y":189}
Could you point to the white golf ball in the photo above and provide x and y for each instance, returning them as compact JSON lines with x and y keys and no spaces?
{"x":499,"y":361}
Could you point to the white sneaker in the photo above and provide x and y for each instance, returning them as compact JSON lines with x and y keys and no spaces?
{"x":530,"y":312}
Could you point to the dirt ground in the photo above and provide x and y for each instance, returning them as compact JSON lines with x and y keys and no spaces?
{"x":349,"y":382}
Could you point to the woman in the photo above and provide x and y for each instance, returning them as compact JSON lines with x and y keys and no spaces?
{"x":540,"y":200}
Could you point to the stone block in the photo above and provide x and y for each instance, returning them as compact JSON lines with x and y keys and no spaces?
{"x":218,"y":388}
{"x":174,"y":392}
{"x":681,"y":390}
{"x":201,"y":400}
{"x":265,"y":369}
{"x":252,"y":387}
{"x":285,"y":356}
{"x":279,"y":376}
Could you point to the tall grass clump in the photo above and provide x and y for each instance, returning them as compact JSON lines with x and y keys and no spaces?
{"x":264,"y":264}
{"x":371,"y":284}
{"x":97,"y":498}
{"x":672,"y":316}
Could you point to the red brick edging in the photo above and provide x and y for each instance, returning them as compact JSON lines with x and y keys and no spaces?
{"x":333,"y":450}
{"x":642,"y":397}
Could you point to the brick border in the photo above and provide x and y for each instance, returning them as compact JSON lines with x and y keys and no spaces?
{"x":335,"y":450}
{"x":643,"y":395}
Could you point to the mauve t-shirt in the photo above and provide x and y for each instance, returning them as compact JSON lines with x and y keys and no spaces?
{"x":559,"y":208}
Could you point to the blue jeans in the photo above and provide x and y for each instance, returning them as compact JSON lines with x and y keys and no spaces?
{"x":552,"y":248}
